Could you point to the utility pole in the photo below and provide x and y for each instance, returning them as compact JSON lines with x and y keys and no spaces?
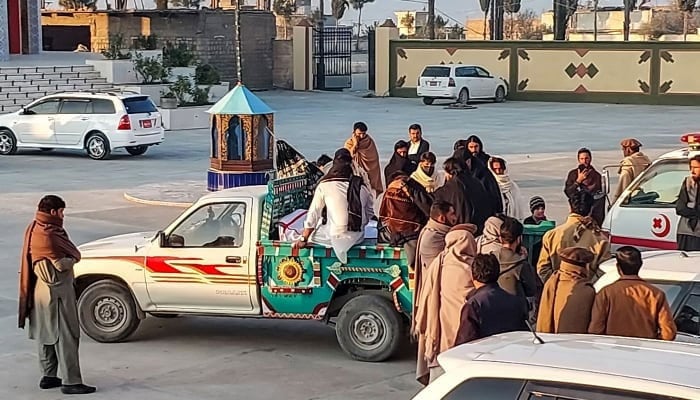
{"x":595,"y":20}
{"x":431,"y":19}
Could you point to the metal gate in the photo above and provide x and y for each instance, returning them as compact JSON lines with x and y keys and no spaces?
{"x":332,"y":58}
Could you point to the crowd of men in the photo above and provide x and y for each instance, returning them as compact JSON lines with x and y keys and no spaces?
{"x":462,"y":230}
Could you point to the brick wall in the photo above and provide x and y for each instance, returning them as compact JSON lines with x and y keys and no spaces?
{"x":258,"y":31}
{"x":283,"y":71}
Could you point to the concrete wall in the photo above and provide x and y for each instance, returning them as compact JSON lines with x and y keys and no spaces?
{"x":607,"y":72}
{"x":283,"y":71}
{"x":258,"y":32}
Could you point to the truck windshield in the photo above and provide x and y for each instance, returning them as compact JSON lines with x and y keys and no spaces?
{"x":659,"y":185}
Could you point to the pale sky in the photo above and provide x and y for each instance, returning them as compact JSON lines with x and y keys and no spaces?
{"x":453,"y":10}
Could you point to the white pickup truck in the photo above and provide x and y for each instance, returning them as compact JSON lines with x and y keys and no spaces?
{"x":220,"y":258}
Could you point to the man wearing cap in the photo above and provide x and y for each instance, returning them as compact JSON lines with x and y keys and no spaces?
{"x":568,"y":296}
{"x":630,"y":306}
{"x":634,"y":163}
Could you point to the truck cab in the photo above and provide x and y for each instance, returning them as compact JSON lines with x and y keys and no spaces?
{"x":220,"y":257}
{"x":644,"y":215}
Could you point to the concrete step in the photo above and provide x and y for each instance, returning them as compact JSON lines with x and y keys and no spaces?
{"x":46,"y":69}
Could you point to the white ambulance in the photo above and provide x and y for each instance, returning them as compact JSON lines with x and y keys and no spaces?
{"x":644,"y":215}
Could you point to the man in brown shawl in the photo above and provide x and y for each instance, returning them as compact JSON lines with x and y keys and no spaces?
{"x":568,"y":296}
{"x":442,"y":297}
{"x":364,"y":152}
{"x":47,"y":297}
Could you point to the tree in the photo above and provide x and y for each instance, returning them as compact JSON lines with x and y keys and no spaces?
{"x":686,"y":7}
{"x":185,"y":3}
{"x":524,"y":25}
{"x":672,"y":22}
{"x":563,"y":10}
{"x":512,"y":7}
{"x":359,"y":5}
{"x":338,"y":8}
{"x":407,"y":21}
{"x":285,"y":9}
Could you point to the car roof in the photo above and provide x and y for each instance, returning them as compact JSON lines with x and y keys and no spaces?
{"x":665,"y":265}
{"x":451,"y":65}
{"x":679,"y":154}
{"x":98,"y":95}
{"x":256,"y":191}
{"x":566,"y":354}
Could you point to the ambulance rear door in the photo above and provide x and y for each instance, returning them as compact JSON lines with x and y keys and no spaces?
{"x":645,"y":215}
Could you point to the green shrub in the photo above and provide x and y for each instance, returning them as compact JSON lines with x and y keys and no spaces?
{"x":150,"y":69}
{"x":179,"y":55}
{"x":207,"y":75}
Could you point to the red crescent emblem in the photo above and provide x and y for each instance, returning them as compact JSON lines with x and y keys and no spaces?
{"x":660,"y":226}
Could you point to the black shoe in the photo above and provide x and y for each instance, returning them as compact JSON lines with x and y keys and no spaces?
{"x":49,"y":382}
{"x":78,"y":389}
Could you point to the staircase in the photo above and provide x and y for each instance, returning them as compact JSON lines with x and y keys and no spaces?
{"x":21,"y":85}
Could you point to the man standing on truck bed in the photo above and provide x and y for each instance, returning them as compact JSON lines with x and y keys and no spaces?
{"x":688,"y":208}
{"x":341,"y":208}
{"x":364,"y":151}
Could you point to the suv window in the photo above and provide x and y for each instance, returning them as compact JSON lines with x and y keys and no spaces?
{"x":102,"y":106}
{"x":487,"y":388}
{"x":49,"y":106}
{"x":659,"y":186}
{"x":436,"y":72}
{"x":482,"y":72}
{"x":465,"y":72}
{"x":139,"y":105}
{"x":688,"y":319}
{"x":74,"y":106}
{"x":567,"y":391}
{"x":213,"y":225}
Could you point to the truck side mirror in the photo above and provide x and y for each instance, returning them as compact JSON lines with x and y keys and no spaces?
{"x":606,"y":181}
{"x":162,"y":239}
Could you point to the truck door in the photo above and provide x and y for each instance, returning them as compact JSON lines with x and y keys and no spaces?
{"x":645,"y":216}
{"x":203,"y":262}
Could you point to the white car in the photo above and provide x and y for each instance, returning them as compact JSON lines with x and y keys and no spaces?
{"x":460,"y":82}
{"x":96,"y":122}
{"x":644,"y":215}
{"x":513,"y":366}
{"x":677,"y":273}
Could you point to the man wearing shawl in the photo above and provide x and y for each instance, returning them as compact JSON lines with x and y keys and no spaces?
{"x":577,"y":231}
{"x":513,"y":201}
{"x":490,"y":241}
{"x":417,"y":145}
{"x":586,"y":178}
{"x":364,"y":152}
{"x":480,"y":172}
{"x":426,"y":174}
{"x":47,"y":297}
{"x":341,"y":208}
{"x":688,"y":208}
{"x":476,"y":148}
{"x":444,"y":292}
{"x":399,"y":162}
{"x":568,"y":296}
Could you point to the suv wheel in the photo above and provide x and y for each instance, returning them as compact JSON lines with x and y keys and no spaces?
{"x":463,"y":97}
{"x":97,"y":146}
{"x":500,"y":95}
{"x":428,"y":100}
{"x":8,"y":143}
{"x":136,"y":150}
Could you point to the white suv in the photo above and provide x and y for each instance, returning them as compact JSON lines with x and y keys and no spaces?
{"x":96,"y":122}
{"x":460,"y":82}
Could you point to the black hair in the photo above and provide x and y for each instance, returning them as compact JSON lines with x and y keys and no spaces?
{"x":428,"y":156}
{"x":460,"y":144}
{"x":440,"y":208}
{"x":415,"y":127}
{"x":485,"y":268}
{"x":323,"y":160}
{"x":694,"y":158}
{"x":511,"y":230}
{"x":361,"y":126}
{"x":398,"y":174}
{"x":453,"y":166}
{"x":342,"y":154}
{"x":581,"y":203}
{"x":584,"y":150}
{"x":498,"y":160}
{"x":400,"y":144}
{"x":51,"y":202}
{"x":629,"y":260}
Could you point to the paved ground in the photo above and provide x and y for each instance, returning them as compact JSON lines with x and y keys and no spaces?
{"x":213,"y":358}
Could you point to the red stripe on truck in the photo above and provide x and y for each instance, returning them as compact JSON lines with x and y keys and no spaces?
{"x":648,"y":243}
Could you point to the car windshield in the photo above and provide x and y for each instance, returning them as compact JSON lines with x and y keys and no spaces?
{"x":671,"y":289}
{"x":436,"y":72}
{"x":659,"y":186}
{"x":139,"y":105}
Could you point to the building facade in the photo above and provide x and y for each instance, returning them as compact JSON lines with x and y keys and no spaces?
{"x":20,"y":27}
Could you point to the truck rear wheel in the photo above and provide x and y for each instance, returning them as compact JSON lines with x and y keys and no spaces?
{"x":369,"y":328}
{"x":107,"y":312}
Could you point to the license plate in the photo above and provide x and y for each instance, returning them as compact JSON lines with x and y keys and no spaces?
{"x":146,"y":123}
{"x":433,"y":83}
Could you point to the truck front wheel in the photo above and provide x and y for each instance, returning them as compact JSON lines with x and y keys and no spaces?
{"x":369,"y":328}
{"x":107,"y":312}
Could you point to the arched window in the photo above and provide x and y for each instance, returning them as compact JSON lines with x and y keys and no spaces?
{"x":214,"y":136}
{"x":235,"y":139}
{"x":263,"y":139}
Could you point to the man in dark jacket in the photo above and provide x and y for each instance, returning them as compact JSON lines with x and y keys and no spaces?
{"x":688,"y":209}
{"x":480,"y":172}
{"x":417,"y":145}
{"x":466,"y":194}
{"x":585,"y":178}
{"x":518,"y":277}
{"x":490,"y":310}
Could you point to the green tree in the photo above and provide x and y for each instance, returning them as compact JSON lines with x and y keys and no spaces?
{"x":359,"y":5}
{"x":338,"y":8}
{"x":285,"y":9}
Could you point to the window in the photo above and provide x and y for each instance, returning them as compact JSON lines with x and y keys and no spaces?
{"x":659,"y":186}
{"x":486,"y":388}
{"x":465,"y":72}
{"x":215,"y":137}
{"x":436,"y":72}
{"x":139,"y":105}
{"x":566,"y":391}
{"x":45,"y":107}
{"x":235,"y":140}
{"x":688,"y":319}
{"x":482,"y":73}
{"x":102,"y":106}
{"x":74,"y":106}
{"x":263,"y":143}
{"x":214,"y":225}
{"x":674,"y":291}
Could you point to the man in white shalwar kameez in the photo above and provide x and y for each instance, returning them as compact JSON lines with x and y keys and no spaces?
{"x":513,"y":202}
